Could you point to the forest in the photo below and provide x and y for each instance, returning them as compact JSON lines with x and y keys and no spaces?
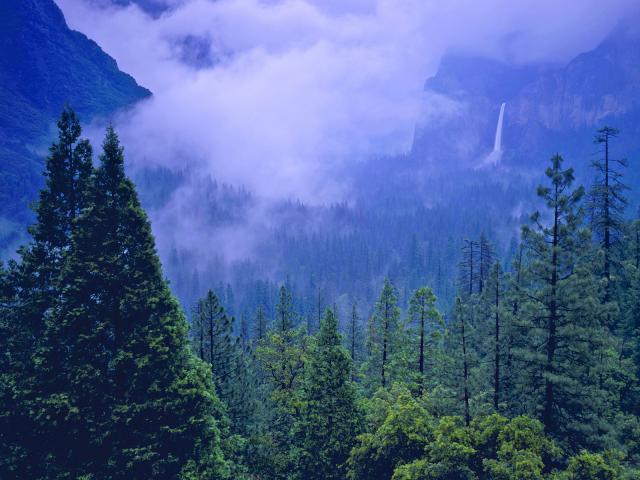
{"x":530,"y":369}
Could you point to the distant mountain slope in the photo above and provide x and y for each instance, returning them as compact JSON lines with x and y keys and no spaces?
{"x":43,"y":66}
{"x":548,"y":108}
{"x":153,"y":7}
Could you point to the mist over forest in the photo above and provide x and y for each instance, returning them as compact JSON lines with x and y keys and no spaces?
{"x":297,"y":239}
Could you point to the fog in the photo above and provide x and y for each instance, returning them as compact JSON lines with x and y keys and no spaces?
{"x":280,"y":96}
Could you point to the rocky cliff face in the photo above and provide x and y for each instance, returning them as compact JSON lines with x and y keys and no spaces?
{"x":549,"y":108}
{"x":45,"y":65}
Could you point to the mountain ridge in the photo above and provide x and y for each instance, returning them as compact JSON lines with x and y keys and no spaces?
{"x":45,"y":65}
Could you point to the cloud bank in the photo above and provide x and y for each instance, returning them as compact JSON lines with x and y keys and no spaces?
{"x":281,"y":96}
{"x":277,"y":95}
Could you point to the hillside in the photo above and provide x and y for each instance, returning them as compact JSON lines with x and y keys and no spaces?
{"x":44,"y":66}
{"x":549,"y":108}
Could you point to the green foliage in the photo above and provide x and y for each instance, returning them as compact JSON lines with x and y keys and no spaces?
{"x":326,"y":428}
{"x":400,"y":438}
{"x":99,"y":379}
{"x":111,"y":387}
{"x":425,"y":326}
{"x":566,"y":338}
{"x":593,"y":466}
{"x":386,"y":356}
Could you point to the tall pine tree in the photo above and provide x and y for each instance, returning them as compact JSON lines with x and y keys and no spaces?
{"x":328,"y":423}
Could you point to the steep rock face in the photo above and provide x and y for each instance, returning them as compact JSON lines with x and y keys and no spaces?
{"x":594,"y":87}
{"x":462,"y":104}
{"x":45,"y":65}
{"x":549,"y":108}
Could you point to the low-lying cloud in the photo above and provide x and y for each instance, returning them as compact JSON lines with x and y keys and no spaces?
{"x":280,"y":95}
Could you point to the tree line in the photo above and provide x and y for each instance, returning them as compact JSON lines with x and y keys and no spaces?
{"x":532,"y":373}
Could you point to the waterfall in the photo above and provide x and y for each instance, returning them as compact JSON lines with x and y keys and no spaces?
{"x":494,"y":157}
{"x":497,"y":145}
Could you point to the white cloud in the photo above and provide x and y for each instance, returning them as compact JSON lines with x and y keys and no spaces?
{"x":302,"y":86}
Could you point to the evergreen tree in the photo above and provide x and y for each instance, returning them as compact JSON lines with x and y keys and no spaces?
{"x":328,"y":422}
{"x":485,"y":260}
{"x":354,"y":340}
{"x":630,"y":342}
{"x":468,"y":267}
{"x":35,"y":285}
{"x":608,"y":203}
{"x":216,"y":329}
{"x":560,"y":313}
{"x":260,"y":324}
{"x":460,"y":336}
{"x":384,"y":338}
{"x":426,"y":322}
{"x":160,"y":417}
{"x":285,"y":314}
{"x":499,"y":331}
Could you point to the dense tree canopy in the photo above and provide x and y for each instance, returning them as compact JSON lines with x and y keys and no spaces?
{"x":531,"y":370}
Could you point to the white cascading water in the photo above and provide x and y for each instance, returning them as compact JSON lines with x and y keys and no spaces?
{"x":494,"y":157}
{"x":497,"y":145}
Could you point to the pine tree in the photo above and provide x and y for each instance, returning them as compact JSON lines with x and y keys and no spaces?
{"x":560,"y":312}
{"x":260,"y":324}
{"x":216,"y":328}
{"x":499,"y":331}
{"x":468,"y":267}
{"x":461,"y":335}
{"x":354,"y":340}
{"x":384,"y":337}
{"x":161,"y":409}
{"x":608,"y":202}
{"x":328,"y":423}
{"x":485,"y":260}
{"x":425,"y":321}
{"x":630,"y":300}
{"x":285,"y":314}
{"x":35,"y":285}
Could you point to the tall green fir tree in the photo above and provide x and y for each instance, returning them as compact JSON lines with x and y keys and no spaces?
{"x":385,"y":360}
{"x":425,"y":327}
{"x":329,"y":420}
{"x":118,"y":393}
{"x":33,"y":286}
{"x":564,"y":362}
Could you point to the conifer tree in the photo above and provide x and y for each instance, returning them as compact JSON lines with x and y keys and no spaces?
{"x":468,"y":267}
{"x":260,"y":324}
{"x":560,"y":311}
{"x":461,"y":335}
{"x":493,"y":302}
{"x":608,"y":202}
{"x":161,"y":410}
{"x":630,"y":300}
{"x":35,"y":285}
{"x":384,"y":337}
{"x":327,"y":426}
{"x":285,"y":314}
{"x":485,"y":260}
{"x":425,"y":321}
{"x":354,"y":340}
{"x":216,"y":328}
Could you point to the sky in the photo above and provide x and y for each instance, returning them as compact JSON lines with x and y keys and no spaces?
{"x":279,"y":95}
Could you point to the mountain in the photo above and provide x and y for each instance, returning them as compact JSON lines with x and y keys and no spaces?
{"x":45,"y":65}
{"x":153,"y":7}
{"x":549,"y":108}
